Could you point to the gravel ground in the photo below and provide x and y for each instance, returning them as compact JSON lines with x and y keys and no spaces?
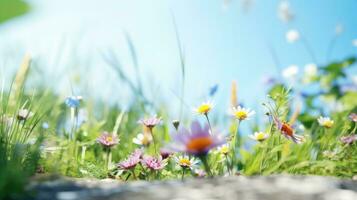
{"x":244,"y":188}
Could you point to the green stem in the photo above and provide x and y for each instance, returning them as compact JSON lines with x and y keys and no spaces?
{"x":228,"y":165}
{"x":183,"y":174}
{"x":209,"y":123}
{"x":234,"y":145}
{"x":133,"y":172}
{"x":279,"y":152}
{"x":108,"y":158}
{"x":153,"y":139}
{"x":203,"y":158}
{"x":354,"y":129}
{"x":263,"y":159}
{"x":128,"y":177}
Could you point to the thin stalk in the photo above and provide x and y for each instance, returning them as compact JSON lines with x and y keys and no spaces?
{"x":331,"y":47}
{"x":133,"y":172}
{"x":108,"y":158}
{"x":309,"y":49}
{"x":355,"y":127}
{"x":182,"y":65}
{"x":74,"y":119}
{"x":183,"y":174}
{"x":234,"y":145}
{"x":209,"y":123}
{"x":83,"y":153}
{"x":153,"y":139}
{"x":228,"y":165}
{"x":275,"y":58}
{"x":203,"y":158}
{"x":128,"y":177}
{"x":262,"y":161}
{"x":279,"y":152}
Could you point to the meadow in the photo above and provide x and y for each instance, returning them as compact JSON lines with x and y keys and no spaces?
{"x":306,"y":129}
{"x":44,"y":134}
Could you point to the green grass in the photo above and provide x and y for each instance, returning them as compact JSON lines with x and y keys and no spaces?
{"x":27,"y":147}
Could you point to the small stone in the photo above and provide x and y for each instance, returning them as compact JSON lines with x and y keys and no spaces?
{"x":354,"y":178}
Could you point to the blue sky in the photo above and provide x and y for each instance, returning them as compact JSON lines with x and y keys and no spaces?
{"x":67,"y":39}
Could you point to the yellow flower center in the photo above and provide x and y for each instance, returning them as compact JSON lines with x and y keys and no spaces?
{"x":241,"y":115}
{"x":260,"y":136}
{"x":109,"y":139}
{"x":185,"y":162}
{"x":204,"y":108}
{"x":328,"y":123}
{"x":225,"y":150}
{"x":199,"y":144}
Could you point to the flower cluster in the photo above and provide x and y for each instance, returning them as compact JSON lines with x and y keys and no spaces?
{"x":154,"y":163}
{"x":131,"y":161}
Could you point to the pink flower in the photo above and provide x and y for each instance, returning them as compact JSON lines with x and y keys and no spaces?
{"x":153,"y":163}
{"x":353,"y":117}
{"x":150,"y":122}
{"x":107,"y":140}
{"x":132,"y":160}
{"x":349,"y":139}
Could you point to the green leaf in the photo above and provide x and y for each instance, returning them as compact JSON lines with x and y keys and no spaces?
{"x":12,"y":8}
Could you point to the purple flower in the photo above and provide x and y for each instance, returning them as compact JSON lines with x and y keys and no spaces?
{"x":132,"y":160}
{"x":165,"y":153}
{"x":349,"y":139}
{"x":108,"y":140}
{"x":199,"y":141}
{"x":153,"y":163}
{"x":150,"y":122}
{"x":269,"y":80}
{"x":353,"y":117}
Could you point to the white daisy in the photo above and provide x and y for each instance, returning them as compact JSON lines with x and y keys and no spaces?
{"x":290,"y":72}
{"x":143,"y":139}
{"x":186,"y":162}
{"x":241,"y":113}
{"x":310,"y":73}
{"x":259,"y":136}
{"x":310,"y":69}
{"x":292,"y":36}
{"x":204,"y":108}
{"x":224,"y":149}
{"x":325,"y":122}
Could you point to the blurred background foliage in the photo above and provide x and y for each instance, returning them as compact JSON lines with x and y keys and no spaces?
{"x":12,"y":8}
